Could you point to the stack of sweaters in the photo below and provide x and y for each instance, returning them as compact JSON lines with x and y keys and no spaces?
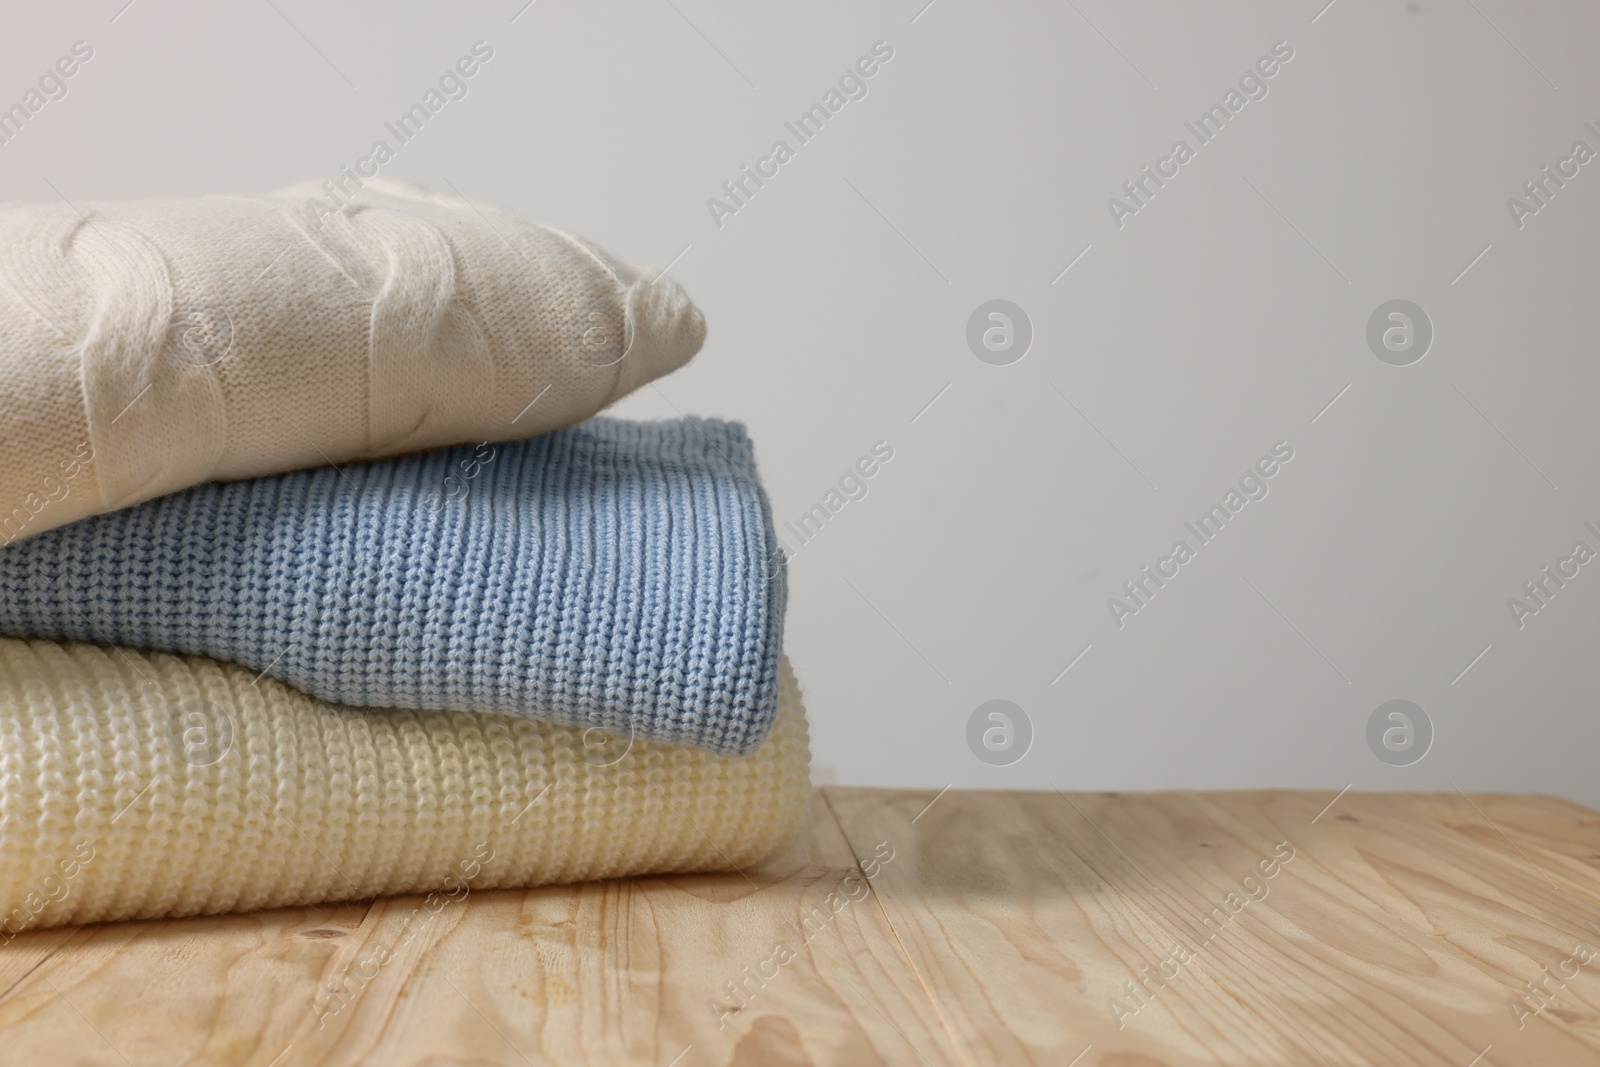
{"x":322,"y":579}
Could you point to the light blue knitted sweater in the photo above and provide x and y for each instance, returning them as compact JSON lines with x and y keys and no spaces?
{"x":616,"y":574}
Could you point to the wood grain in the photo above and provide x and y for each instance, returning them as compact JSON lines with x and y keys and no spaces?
{"x":907,"y":927}
{"x":1399,"y":932}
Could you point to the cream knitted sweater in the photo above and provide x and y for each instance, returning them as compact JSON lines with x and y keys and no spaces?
{"x":148,"y":346}
{"x":138,"y":785}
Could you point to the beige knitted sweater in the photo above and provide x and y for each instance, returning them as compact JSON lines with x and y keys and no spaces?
{"x":138,"y":785}
{"x":148,"y":346}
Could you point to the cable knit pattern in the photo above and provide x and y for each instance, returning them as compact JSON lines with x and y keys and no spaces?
{"x":613,"y":574}
{"x":148,"y":346}
{"x":138,"y":785}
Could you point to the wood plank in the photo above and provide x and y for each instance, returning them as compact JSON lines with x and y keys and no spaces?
{"x":1006,"y":928}
{"x":227,"y":989}
{"x":1400,"y":931}
{"x":20,"y":956}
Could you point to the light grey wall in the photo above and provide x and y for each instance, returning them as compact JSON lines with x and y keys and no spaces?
{"x":1224,"y":316}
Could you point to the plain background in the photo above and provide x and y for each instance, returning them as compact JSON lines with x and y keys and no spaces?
{"x":1178,"y":348}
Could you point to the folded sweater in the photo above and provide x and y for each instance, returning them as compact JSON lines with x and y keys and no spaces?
{"x":613,"y":574}
{"x":150,"y":345}
{"x":136,"y":785}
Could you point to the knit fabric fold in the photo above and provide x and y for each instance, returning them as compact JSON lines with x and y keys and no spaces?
{"x":147,"y":346}
{"x":615,"y":574}
{"x":137,"y":785}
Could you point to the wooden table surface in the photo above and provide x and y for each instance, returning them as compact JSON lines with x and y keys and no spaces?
{"x":1131,"y":930}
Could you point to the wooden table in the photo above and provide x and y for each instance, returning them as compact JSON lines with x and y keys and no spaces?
{"x":1132,"y":930}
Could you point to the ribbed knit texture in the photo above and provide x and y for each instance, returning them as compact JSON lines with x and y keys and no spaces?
{"x":138,"y":785}
{"x":147,"y":346}
{"x":613,"y":574}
